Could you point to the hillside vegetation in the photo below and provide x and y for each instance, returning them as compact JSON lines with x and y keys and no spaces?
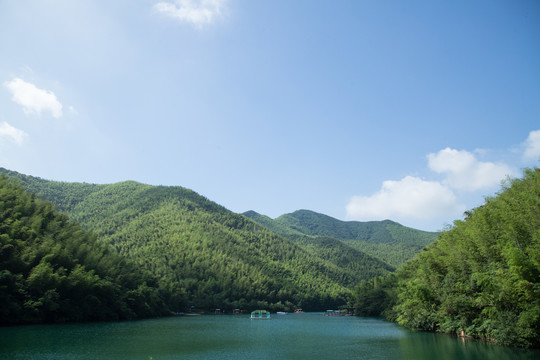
{"x":479,"y":279}
{"x":386,"y":240}
{"x":51,"y":270}
{"x":328,"y":248}
{"x":203,"y":253}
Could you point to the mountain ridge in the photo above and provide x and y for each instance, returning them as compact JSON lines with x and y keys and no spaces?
{"x":212,"y":256}
{"x":387,"y":240}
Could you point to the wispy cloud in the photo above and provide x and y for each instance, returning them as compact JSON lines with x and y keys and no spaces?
{"x":409,"y":198}
{"x":32,"y":99}
{"x":9,"y":132}
{"x":532,"y":146}
{"x":465,"y":172}
{"x":196,"y":12}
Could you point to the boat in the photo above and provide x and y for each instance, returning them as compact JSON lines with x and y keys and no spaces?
{"x":299,"y":311}
{"x":260,"y":314}
{"x":281,"y":313}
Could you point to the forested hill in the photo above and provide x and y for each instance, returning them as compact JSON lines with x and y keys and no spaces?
{"x":64,"y":195}
{"x":479,"y":279}
{"x":51,"y":270}
{"x":386,"y":240}
{"x":199,"y":250}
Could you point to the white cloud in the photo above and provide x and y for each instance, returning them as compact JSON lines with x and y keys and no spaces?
{"x":532,"y":146}
{"x":429,"y":203}
{"x":409,"y":198}
{"x":197,"y":12}
{"x":33,"y":99}
{"x":465,"y":172}
{"x":10,"y":132}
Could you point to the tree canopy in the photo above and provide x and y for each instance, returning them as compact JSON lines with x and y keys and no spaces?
{"x":479,"y":279}
{"x":51,"y":270}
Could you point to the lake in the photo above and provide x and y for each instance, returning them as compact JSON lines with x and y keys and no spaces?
{"x":292,"y":336}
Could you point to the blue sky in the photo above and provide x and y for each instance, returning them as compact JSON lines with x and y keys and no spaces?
{"x":363,"y":110}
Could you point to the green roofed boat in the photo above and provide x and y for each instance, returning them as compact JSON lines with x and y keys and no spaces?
{"x":260,"y":314}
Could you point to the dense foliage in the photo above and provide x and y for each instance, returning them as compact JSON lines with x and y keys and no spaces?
{"x":479,"y":279}
{"x":51,"y":270}
{"x":375,"y":297}
{"x":331,"y":249}
{"x":359,"y":264}
{"x":386,"y":240}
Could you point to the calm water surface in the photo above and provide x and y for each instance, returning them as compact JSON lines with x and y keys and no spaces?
{"x":291,"y":336}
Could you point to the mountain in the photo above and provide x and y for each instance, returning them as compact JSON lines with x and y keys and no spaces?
{"x":329,"y":248}
{"x":202,"y":252}
{"x":386,"y":240}
{"x":53,"y":271}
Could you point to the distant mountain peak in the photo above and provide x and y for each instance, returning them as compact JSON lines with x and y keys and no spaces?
{"x":251,"y":213}
{"x":386,"y":239}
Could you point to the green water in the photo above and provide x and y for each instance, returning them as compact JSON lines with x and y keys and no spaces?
{"x":291,"y":336}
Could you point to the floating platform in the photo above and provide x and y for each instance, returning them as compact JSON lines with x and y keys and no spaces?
{"x":260,"y":315}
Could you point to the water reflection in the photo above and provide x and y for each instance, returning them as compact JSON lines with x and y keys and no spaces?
{"x":427,"y":346}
